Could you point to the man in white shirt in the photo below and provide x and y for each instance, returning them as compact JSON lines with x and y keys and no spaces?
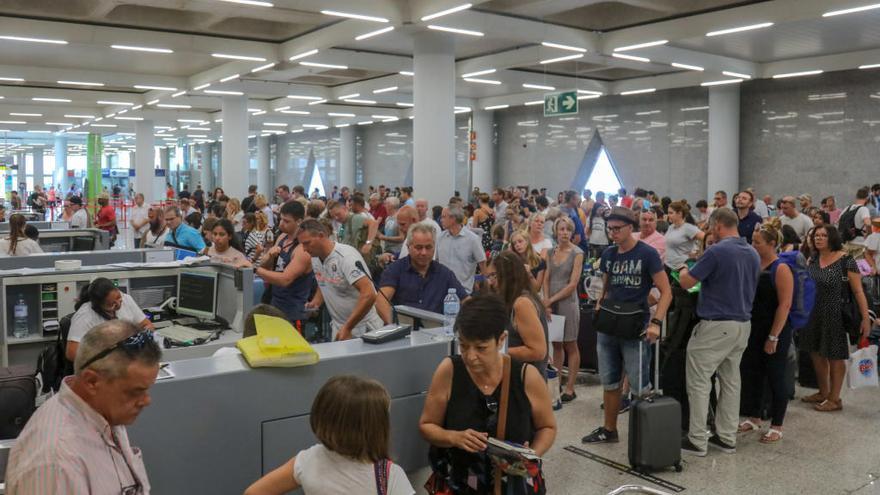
{"x":343,"y":282}
{"x":792,"y":217}
{"x":140,"y":221}
{"x":80,"y":219}
{"x":855,"y":241}
{"x":422,"y":209}
{"x":500,"y":205}
{"x":459,"y":249}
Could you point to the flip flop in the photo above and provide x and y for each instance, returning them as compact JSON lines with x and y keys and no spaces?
{"x":772,"y":436}
{"x":747,"y":426}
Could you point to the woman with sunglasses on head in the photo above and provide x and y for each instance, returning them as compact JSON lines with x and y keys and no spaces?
{"x":463,"y":407}
{"x":98,"y":302}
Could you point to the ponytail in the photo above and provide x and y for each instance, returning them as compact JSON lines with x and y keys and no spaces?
{"x":95,"y":293}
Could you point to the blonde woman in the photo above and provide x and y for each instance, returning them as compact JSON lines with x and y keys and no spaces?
{"x":262,"y":205}
{"x":234,"y":213}
{"x":534,"y":264}
{"x":258,"y":235}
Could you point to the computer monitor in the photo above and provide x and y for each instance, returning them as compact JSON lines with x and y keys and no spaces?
{"x":197,"y":294}
{"x":182,"y":254}
{"x":83,"y":243}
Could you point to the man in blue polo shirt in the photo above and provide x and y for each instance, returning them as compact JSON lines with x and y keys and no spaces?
{"x":729,"y":274}
{"x":417,"y":280}
{"x":181,"y":235}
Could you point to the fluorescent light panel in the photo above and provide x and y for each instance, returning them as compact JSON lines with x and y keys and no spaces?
{"x":740,"y":29}
{"x":318,"y":102}
{"x":851,"y":10}
{"x":350,"y":15}
{"x":51,"y":100}
{"x":346,"y":97}
{"x":80,"y":83}
{"x":448,"y":29}
{"x":869,"y":66}
{"x":721,"y":82}
{"x":201,"y":87}
{"x":79,"y":116}
{"x":171,"y":105}
{"x":482,"y":81}
{"x":142,"y":48}
{"x":641,"y":45}
{"x":296,"y":112}
{"x":562,"y":59}
{"x":638,"y":91}
{"x":255,"y":3}
{"x":324,"y":66}
{"x":229,"y":78}
{"x":107,"y":102}
{"x":385,"y":90}
{"x":129,"y":118}
{"x":303,"y":55}
{"x":736,"y":74}
{"x":496,"y":107}
{"x":33,"y":40}
{"x":12,"y":122}
{"x":303,"y":97}
{"x":336,"y":114}
{"x":12,"y":79}
{"x":21,"y":114}
{"x":630,"y":57}
{"x":404,"y":104}
{"x":263,"y":67}
{"x":797,"y":74}
{"x":154,"y":88}
{"x":362,"y":102}
{"x":179,"y":93}
{"x":374,"y":33}
{"x":539,"y":86}
{"x":447,"y":12}
{"x":223,"y":92}
{"x":238,"y":57}
{"x":560,"y":46}
{"x":535,"y":102}
{"x":686,"y":66}
{"x":479,"y":73}
{"x":407,"y":73}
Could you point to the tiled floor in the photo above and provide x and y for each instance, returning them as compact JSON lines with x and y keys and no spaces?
{"x":822,"y":453}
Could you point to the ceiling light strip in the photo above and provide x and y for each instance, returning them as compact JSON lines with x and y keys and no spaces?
{"x":303,"y":55}
{"x":374,"y":33}
{"x":740,"y":29}
{"x":349,"y":15}
{"x":797,"y":74}
{"x":482,"y":81}
{"x":687,"y":66}
{"x":638,"y":91}
{"x":324,"y":66}
{"x":238,"y":57}
{"x":141,"y":48}
{"x":33,"y":40}
{"x":447,"y":12}
{"x":852,"y":10}
{"x":641,"y":45}
{"x":631,"y":57}
{"x":561,"y":59}
{"x":721,"y":82}
{"x":448,"y":29}
{"x":560,"y":46}
{"x":736,"y":74}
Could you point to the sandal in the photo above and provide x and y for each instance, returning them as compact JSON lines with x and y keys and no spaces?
{"x":568,"y":397}
{"x":829,"y":406}
{"x":747,"y":426}
{"x":813,"y":399}
{"x":772,"y":436}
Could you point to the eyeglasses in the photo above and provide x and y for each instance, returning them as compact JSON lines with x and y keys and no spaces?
{"x":132,"y":343}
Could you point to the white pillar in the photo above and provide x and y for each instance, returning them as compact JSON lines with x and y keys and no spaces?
{"x":434,"y":124}
{"x":38,"y":166}
{"x":62,"y":184}
{"x":143,"y":160}
{"x":206,"y":173}
{"x":483,"y":167}
{"x":235,"y":164}
{"x":264,"y":184}
{"x":347,"y":160}
{"x":723,"y":170}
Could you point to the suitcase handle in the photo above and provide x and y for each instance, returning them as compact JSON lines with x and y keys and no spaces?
{"x":656,"y":382}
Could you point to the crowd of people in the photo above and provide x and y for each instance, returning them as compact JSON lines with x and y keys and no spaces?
{"x":517,"y":258}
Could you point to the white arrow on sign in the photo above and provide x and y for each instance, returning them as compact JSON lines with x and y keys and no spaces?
{"x":569,"y":102}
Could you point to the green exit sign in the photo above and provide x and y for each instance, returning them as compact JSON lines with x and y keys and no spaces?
{"x":561,"y":103}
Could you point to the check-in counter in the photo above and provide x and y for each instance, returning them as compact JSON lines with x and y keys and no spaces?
{"x":40,"y":225}
{"x":66,"y":239}
{"x":218,"y":425}
{"x":87,"y":258}
{"x":51,"y":294}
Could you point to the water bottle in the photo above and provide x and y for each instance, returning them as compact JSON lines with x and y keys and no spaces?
{"x":451,"y":305}
{"x":20,"y":323}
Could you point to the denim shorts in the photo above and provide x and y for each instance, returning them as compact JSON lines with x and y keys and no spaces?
{"x":617,"y":355}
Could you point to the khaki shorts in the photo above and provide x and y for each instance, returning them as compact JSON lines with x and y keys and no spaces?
{"x":855,"y":250}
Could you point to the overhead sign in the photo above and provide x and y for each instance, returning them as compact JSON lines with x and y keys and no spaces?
{"x":561,"y":103}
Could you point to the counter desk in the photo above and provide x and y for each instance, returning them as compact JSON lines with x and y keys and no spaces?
{"x":218,"y":425}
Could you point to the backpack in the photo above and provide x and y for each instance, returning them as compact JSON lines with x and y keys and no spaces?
{"x":804,"y":295}
{"x":847,"y":224}
{"x":52,"y":364}
{"x":18,"y":395}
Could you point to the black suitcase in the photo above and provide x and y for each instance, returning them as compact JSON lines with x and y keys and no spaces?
{"x":655,"y":431}
{"x":18,"y":393}
{"x":587,"y":340}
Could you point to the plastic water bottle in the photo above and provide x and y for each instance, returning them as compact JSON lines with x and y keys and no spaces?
{"x":451,"y":305}
{"x":20,"y":324}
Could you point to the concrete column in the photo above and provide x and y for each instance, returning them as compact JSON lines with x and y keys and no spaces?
{"x":38,"y":166}
{"x":347,"y":160}
{"x":206,"y":176}
{"x":143,"y":160}
{"x":723,"y":170}
{"x":483,"y":167}
{"x":62,"y":184}
{"x":264,"y":178}
{"x":434,"y":124}
{"x":235,"y":146}
{"x":164,"y":162}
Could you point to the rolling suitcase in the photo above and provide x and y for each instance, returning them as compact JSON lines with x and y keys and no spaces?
{"x":587,"y":340}
{"x":654,"y":429}
{"x":18,"y":393}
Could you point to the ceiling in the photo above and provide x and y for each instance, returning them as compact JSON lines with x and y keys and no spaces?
{"x":185,"y":51}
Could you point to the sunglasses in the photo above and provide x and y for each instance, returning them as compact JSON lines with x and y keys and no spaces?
{"x":135,"y":342}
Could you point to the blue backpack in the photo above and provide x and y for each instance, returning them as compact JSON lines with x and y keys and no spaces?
{"x":804,"y":296}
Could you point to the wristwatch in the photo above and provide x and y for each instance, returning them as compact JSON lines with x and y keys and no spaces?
{"x":657,"y":322}
{"x":369,"y":242}
{"x":773,"y":338}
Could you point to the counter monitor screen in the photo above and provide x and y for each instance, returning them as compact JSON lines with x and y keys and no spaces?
{"x":197,"y":294}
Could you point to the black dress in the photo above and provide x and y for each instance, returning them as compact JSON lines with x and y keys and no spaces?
{"x":825,"y":333}
{"x":469,"y":408}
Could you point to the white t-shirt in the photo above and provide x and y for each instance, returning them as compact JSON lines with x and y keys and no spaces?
{"x":151,"y":240}
{"x":80,"y":219}
{"x":236,"y":220}
{"x":541,"y":246}
{"x":872,"y":243}
{"x":336,"y":276}
{"x":801,"y":224}
{"x":270,"y":217}
{"x":139,"y":214}
{"x":24,"y":247}
{"x":86,"y":319}
{"x":320,"y":471}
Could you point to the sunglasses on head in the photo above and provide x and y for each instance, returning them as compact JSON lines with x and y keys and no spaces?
{"x":132,"y":343}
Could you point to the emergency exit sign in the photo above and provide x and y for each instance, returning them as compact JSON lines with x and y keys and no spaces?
{"x":561,"y":103}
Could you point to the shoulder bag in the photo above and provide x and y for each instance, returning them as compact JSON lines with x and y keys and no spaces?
{"x":851,"y":315}
{"x":382,"y":472}
{"x":502,"y":417}
{"x":625,"y":320}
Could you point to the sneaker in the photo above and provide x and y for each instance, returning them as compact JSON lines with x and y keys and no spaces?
{"x":601,"y":435}
{"x":690,"y":449}
{"x":719,"y":444}
{"x":625,"y":404}
{"x":568,"y":397}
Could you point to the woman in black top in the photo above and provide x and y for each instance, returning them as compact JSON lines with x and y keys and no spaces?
{"x":461,"y":409}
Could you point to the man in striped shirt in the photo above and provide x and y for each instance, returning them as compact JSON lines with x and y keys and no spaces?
{"x":77,"y":442}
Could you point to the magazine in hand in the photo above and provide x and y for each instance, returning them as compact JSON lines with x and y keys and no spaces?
{"x":511,"y":451}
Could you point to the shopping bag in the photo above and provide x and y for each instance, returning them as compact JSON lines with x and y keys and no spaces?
{"x":556,"y":328}
{"x":862,"y":368}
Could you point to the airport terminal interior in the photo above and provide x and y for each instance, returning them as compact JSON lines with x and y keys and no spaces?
{"x":292,"y":246}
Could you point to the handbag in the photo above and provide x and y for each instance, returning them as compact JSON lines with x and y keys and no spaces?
{"x":625,"y":320}
{"x":862,"y":368}
{"x":851,"y":315}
